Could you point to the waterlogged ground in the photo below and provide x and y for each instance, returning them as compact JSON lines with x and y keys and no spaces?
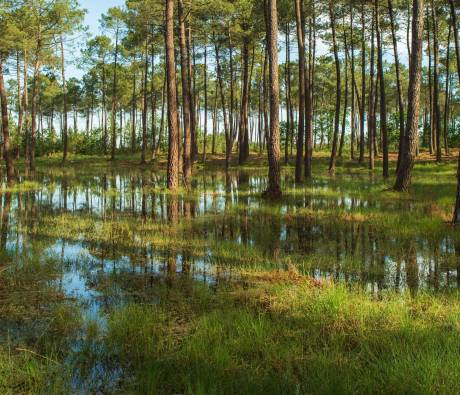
{"x":109,"y":283}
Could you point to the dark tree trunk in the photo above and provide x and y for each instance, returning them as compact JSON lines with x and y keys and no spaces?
{"x":404,"y":174}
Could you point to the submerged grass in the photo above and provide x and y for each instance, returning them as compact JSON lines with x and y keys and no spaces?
{"x":256,"y":324}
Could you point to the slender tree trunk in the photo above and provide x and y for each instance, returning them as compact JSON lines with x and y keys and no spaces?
{"x":300,"y":22}
{"x":309,"y":74}
{"x":333,"y":158}
{"x":453,"y":17}
{"x":64,"y":100}
{"x":353,"y":84}
{"x":187,"y":153}
{"x":404,"y":174}
{"x":436,"y":108}
{"x":7,"y":154}
{"x":26,"y":114}
{"x":243,"y":129}
{"x":274,"y":154}
{"x":205,"y":80}
{"x":447,"y":93}
{"x":114,"y":101}
{"x":398,"y":82}
{"x":20,"y":107}
{"x":104,"y":108}
{"x":228,"y":137}
{"x":345,"y":107}
{"x":383,"y":104}
{"x":145,"y":106}
{"x":173,"y":150}
{"x":363,"y":84}
{"x":133,"y":114}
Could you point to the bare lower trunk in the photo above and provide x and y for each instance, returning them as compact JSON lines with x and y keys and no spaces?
{"x":274,"y":154}
{"x":7,"y":155}
{"x":173,"y":151}
{"x":404,"y":174}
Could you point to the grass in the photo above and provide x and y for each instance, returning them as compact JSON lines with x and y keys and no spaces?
{"x":248,"y":296}
{"x":282,"y":334}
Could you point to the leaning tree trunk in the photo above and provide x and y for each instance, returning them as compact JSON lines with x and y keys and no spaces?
{"x":173,"y":150}
{"x":274,"y":154}
{"x":7,"y":155}
{"x":453,"y":17}
{"x":404,"y":174}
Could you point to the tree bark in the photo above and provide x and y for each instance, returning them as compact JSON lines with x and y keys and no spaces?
{"x":383,"y":104}
{"x":453,"y":17}
{"x":186,"y":113}
{"x":333,"y":158}
{"x":173,"y":150}
{"x":300,"y":23}
{"x":436,"y":108}
{"x":404,"y":174}
{"x":7,"y":154}
{"x":65,"y":136}
{"x":398,"y":81}
{"x":274,"y":171}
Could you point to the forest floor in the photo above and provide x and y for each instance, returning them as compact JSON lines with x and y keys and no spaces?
{"x":110,"y":284}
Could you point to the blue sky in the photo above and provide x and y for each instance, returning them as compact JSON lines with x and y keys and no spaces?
{"x":95,"y":8}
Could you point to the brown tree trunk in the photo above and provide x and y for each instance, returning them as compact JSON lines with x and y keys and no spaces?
{"x":243,"y":135}
{"x":345,"y":107}
{"x":173,"y":150}
{"x":383,"y":104}
{"x":333,"y":158}
{"x":300,"y":23}
{"x":65,"y":136}
{"x":145,"y":106}
{"x":363,"y":85}
{"x":398,"y":82}
{"x":114,"y":101}
{"x":274,"y":154}
{"x":353,"y":84}
{"x":7,"y":155}
{"x":447,"y":93}
{"x":205,"y":79}
{"x":187,"y":153}
{"x":404,"y":174}
{"x":436,"y":108}
{"x":453,"y":17}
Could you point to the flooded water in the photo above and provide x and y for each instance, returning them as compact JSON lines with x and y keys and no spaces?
{"x":117,"y":238}
{"x":127,"y":223}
